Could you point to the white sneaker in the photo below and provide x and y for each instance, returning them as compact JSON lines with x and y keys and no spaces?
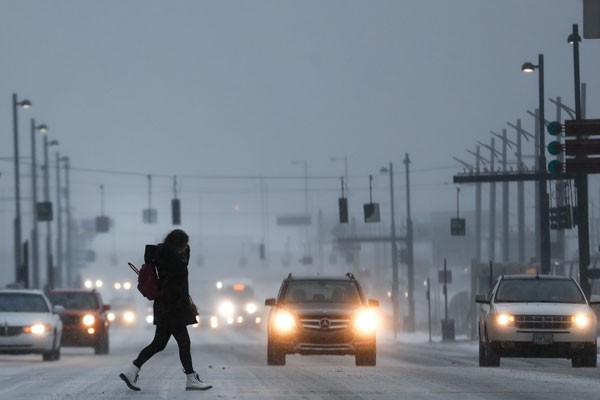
{"x":130,"y":377}
{"x":194,"y":382}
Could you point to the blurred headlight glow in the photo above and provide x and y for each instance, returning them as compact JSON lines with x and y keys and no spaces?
{"x":150,"y":319}
{"x":110,"y":316}
{"x":251,"y":308}
{"x":214,"y":322}
{"x":226,"y":309}
{"x":580,"y":320}
{"x":88,"y":320}
{"x":127,"y":286}
{"x":366,"y":321}
{"x":284,"y":321}
{"x":129,"y":317}
{"x":37,"y":329}
{"x":505,"y":320}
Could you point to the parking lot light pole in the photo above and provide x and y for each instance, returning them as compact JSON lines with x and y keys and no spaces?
{"x":544,"y":200}
{"x":17,"y":223}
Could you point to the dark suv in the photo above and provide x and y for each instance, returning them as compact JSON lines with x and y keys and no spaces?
{"x":319,"y":315}
{"x":85,"y":321}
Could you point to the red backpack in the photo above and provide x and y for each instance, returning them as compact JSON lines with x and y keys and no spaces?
{"x":148,"y":283}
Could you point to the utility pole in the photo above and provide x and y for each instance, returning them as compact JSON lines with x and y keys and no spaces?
{"x":410,"y":255}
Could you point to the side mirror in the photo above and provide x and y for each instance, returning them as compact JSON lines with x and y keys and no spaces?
{"x":270,"y":302}
{"x":373,"y":302}
{"x":482,"y":299}
{"x":105,"y":307}
{"x":58,"y":309}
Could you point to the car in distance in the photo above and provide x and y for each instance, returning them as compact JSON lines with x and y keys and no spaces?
{"x":235,"y":305}
{"x":29,"y":324}
{"x":322,"y":315}
{"x":85,"y":319}
{"x":537,"y":316}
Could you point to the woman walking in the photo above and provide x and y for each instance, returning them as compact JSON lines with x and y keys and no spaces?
{"x":173,"y":309}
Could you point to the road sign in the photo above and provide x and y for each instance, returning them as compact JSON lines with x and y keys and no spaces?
{"x":586,"y":127}
{"x":577,"y":147}
{"x":583,"y":165}
{"x":44,"y":211}
{"x":458,"y":227}
{"x":296,"y":219}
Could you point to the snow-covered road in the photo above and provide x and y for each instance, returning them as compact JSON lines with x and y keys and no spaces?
{"x":235,"y":363}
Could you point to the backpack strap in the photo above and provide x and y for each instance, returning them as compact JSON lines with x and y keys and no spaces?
{"x":137,"y":271}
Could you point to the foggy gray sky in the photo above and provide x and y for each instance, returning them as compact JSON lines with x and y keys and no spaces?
{"x":238,"y":88}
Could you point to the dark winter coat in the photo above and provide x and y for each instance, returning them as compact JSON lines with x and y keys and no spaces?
{"x":173,"y":305}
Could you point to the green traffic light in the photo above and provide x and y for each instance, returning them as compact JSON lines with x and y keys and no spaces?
{"x":555,"y":148}
{"x":554,"y":128}
{"x":555,"y":167}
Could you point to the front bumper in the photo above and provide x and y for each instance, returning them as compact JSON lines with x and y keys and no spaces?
{"x":323,"y":343}
{"x":79,"y":337}
{"x":25,"y":343}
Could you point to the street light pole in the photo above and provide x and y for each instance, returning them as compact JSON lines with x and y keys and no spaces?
{"x":59,"y":245}
{"x":410,"y":253}
{"x":395,"y":305}
{"x":544,"y":200}
{"x":49,"y":260}
{"x":34,"y":232}
{"x":581,"y":181}
{"x":17,"y":223}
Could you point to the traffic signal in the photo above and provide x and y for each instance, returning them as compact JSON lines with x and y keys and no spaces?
{"x":371,"y":211}
{"x":555,"y":148}
{"x":176,"y":211}
{"x":44,"y":211}
{"x":343,"y":208}
{"x":261,"y":251}
{"x":553,"y":218}
{"x":102,"y":224}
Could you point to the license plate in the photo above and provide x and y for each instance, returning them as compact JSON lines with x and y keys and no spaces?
{"x":539,"y":338}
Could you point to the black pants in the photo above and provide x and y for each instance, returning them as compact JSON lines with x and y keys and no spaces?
{"x":161,"y":338}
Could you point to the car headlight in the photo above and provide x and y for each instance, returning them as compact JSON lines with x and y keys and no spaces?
{"x":505,"y":320}
{"x":128,"y":317}
{"x":251,"y":308}
{"x":226,"y":309}
{"x":284,"y":321}
{"x":580,"y":320}
{"x":366,"y":321}
{"x":88,"y":320}
{"x":150,"y":319}
{"x":110,"y":316}
{"x":38,"y":329}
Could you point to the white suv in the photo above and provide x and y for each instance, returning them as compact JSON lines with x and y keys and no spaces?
{"x":537,"y":316}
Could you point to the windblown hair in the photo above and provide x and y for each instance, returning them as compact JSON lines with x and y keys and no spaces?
{"x":177,"y":238}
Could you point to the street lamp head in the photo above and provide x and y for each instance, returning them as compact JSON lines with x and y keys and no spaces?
{"x":573,"y":37}
{"x":383,"y":170}
{"x":43,"y":128}
{"x":25,"y":104}
{"x":528,"y":67}
{"x":53,"y":143}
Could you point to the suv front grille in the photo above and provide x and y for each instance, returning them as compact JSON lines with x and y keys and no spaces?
{"x":71,"y":319}
{"x":543,"y":321}
{"x":325,"y":323}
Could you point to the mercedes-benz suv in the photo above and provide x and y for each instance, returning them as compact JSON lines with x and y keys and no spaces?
{"x":320,"y":315}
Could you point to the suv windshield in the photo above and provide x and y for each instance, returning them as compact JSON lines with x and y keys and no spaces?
{"x":322,"y":291}
{"x":539,"y":291}
{"x":75,"y":301}
{"x":22,"y":302}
